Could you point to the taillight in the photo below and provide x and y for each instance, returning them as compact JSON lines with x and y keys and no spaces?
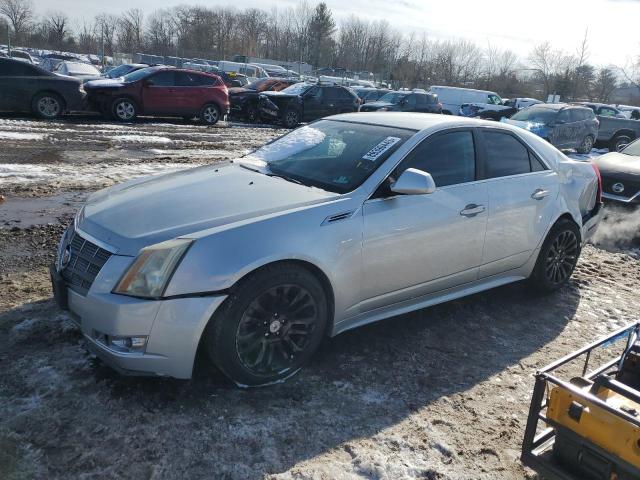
{"x":597,"y":170}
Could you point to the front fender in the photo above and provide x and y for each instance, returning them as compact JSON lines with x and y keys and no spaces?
{"x":219,"y":258}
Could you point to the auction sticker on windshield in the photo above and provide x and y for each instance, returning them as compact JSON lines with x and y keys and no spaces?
{"x":375,"y":153}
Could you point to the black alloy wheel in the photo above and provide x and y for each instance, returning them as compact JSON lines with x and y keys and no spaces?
{"x":275,"y":328}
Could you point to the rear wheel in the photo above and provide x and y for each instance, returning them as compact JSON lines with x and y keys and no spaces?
{"x":586,"y":145}
{"x":47,"y":105}
{"x":557,"y":258}
{"x":124,"y":109}
{"x":252,"y":114}
{"x":210,"y":114}
{"x":291,"y":118}
{"x":619,"y":142}
{"x":270,"y":327}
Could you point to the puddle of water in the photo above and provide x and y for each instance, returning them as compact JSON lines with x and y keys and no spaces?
{"x":28,"y":212}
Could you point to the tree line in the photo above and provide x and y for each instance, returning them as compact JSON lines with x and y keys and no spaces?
{"x":310,"y":34}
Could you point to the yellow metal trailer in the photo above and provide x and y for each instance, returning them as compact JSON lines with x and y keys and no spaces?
{"x":588,"y":428}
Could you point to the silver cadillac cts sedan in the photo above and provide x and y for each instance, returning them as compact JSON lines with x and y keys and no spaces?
{"x":348,"y":220}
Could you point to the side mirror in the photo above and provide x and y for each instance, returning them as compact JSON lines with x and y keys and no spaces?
{"x":414,"y":182}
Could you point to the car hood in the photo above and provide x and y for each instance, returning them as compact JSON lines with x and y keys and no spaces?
{"x":619,"y":165}
{"x":279,"y":95}
{"x":149,"y":210}
{"x":379,"y":105}
{"x":105,"y":83}
{"x":539,"y":128}
{"x":240,"y":90}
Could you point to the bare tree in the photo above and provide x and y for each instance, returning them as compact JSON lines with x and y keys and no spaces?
{"x":57,"y":28}
{"x":19,"y":13}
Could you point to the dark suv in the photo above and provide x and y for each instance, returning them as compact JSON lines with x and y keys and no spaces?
{"x":405,"y":102}
{"x":304,"y":102}
{"x":160,"y":91}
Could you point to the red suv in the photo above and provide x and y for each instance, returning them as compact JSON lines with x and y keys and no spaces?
{"x":161,"y":91}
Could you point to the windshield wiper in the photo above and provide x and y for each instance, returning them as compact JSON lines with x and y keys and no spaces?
{"x":284,"y":177}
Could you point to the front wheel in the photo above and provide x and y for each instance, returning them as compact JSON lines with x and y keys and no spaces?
{"x":252,"y":114}
{"x":210,"y":114}
{"x":557,"y":258}
{"x":124,"y":109}
{"x":47,"y":105}
{"x":270,"y":327}
{"x":291,"y":118}
{"x":586,"y":145}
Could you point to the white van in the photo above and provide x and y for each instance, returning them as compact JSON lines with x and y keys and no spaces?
{"x":452,"y":98}
{"x":252,"y":72}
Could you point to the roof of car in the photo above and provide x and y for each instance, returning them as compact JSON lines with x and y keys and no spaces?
{"x":414,"y":121}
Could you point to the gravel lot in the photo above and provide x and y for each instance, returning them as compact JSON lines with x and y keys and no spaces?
{"x":442,"y":393}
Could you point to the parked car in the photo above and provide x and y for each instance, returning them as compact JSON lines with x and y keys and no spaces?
{"x":521,"y":102}
{"x":404,"y":102}
{"x":602,"y":109}
{"x":347,"y":221}
{"x":252,"y":72}
{"x":564,"y":126}
{"x":367,"y":94}
{"x":621,"y":174}
{"x":452,"y":99}
{"x":124,"y":69}
{"x":50,"y":61}
{"x":244,"y":100}
{"x":232,"y":79}
{"x":304,"y":102}
{"x":29,"y":88}
{"x":160,"y":91}
{"x":21,"y":55}
{"x":629,"y":111}
{"x":79,"y":70}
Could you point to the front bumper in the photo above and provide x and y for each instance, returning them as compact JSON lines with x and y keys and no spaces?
{"x":172,"y":327}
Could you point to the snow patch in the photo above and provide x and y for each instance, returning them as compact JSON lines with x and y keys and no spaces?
{"x":137,"y":139}
{"x":21,"y":136}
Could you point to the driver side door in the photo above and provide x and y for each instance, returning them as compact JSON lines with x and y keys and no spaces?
{"x":312,"y":101}
{"x":415,"y":245}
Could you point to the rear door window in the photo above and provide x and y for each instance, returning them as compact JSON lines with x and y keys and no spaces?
{"x":450,"y":158}
{"x":164,"y":79}
{"x":505,"y":155}
{"x":575,"y":115}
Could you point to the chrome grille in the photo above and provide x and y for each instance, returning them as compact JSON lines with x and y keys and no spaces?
{"x":85,"y":261}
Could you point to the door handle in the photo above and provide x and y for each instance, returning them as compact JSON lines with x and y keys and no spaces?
{"x":472,"y":210}
{"x":539,"y":194}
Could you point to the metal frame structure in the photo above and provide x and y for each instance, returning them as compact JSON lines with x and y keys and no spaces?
{"x":536,"y":449}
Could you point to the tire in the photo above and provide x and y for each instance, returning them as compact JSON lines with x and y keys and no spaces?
{"x":269,"y":327}
{"x":210,"y":114}
{"x":586,"y":145}
{"x":557,"y":258}
{"x":47,"y":106}
{"x":252,"y":115}
{"x":124,"y":109}
{"x":291,"y":118}
{"x":619,"y":142}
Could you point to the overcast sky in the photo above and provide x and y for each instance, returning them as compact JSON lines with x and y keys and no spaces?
{"x":514,"y":24}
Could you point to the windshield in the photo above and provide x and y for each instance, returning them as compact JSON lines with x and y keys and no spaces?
{"x":297,"y":89}
{"x":120,"y":71}
{"x":82,"y":69}
{"x":393,"y":97}
{"x":138,"y":74}
{"x":537,"y":115}
{"x":632,"y":149}
{"x":332,"y":155}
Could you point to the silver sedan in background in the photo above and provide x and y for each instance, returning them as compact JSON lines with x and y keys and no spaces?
{"x":343,"y":222}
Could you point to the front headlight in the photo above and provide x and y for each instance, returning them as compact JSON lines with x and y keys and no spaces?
{"x":148,"y":275}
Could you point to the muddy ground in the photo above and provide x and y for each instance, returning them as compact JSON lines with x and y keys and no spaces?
{"x":442,"y":393}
